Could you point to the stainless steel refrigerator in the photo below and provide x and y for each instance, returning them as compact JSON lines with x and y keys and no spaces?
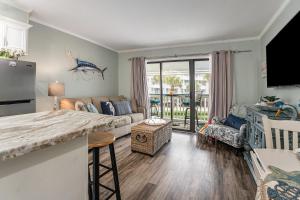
{"x":17,"y":87}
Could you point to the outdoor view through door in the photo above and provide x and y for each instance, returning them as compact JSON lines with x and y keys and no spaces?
{"x":179,"y":91}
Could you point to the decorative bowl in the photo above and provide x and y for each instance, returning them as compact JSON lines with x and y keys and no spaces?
{"x":155,"y":122}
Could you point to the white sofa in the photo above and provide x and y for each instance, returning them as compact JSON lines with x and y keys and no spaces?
{"x":122,"y":124}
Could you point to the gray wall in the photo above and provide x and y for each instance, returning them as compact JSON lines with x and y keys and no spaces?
{"x":47,"y":47}
{"x":289,"y":94}
{"x":245,"y":66}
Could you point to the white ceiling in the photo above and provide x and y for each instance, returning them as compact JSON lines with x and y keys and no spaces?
{"x":133,"y":24}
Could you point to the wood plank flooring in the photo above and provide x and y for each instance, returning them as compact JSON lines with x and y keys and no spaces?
{"x":182,"y":169}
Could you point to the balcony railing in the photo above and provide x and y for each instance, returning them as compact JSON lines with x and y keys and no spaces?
{"x":177,"y":106}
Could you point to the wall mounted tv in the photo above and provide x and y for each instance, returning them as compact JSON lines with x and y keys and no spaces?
{"x":283,"y":56}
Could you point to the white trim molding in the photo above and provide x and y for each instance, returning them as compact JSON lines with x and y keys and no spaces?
{"x":71,"y":33}
{"x":190,"y":44}
{"x":9,"y":20}
{"x":17,"y":6}
{"x":274,"y":17}
{"x":141,"y":49}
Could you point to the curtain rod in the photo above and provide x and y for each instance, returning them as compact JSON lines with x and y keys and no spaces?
{"x":188,"y":55}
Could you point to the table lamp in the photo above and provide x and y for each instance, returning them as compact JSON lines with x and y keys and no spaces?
{"x":55,"y":90}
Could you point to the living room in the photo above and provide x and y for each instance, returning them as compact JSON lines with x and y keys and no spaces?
{"x":165,"y":86}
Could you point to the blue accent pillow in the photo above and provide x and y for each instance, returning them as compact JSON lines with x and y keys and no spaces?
{"x":107,"y":108}
{"x":122,"y":107}
{"x":234,"y":121}
{"x":91,"y":108}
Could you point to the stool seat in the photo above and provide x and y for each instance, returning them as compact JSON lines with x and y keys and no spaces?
{"x":100,"y":139}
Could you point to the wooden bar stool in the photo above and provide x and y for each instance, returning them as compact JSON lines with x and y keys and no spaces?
{"x":96,"y":141}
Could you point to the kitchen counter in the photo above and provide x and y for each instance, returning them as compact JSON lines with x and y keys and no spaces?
{"x":23,"y":134}
{"x":45,"y":155}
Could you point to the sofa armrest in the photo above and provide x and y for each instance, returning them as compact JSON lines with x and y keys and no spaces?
{"x":142,"y":110}
{"x":243,"y":130}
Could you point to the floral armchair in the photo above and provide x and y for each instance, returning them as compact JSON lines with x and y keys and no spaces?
{"x":227,"y":134}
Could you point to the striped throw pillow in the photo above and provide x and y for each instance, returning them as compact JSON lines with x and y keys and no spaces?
{"x":122,"y":107}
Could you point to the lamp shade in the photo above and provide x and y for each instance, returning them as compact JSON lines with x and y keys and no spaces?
{"x":56,"y":89}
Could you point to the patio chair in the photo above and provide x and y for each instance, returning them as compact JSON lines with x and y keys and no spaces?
{"x":154,"y":106}
{"x":186,"y":103}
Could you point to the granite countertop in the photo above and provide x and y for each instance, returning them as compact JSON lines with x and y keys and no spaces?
{"x":22,"y":134}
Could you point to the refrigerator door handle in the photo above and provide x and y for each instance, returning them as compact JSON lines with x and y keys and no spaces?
{"x":16,"y":101}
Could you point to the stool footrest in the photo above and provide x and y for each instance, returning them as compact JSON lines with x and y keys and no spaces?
{"x":101,"y":165}
{"x":110,"y":195}
{"x":108,"y":188}
{"x":104,"y":166}
{"x":103,"y":174}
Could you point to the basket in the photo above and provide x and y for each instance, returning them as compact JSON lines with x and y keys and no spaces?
{"x":149,"y":139}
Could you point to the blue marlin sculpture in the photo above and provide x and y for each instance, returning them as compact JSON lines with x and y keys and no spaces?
{"x":85,"y":66}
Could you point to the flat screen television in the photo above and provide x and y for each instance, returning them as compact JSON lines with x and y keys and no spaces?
{"x":283,"y":56}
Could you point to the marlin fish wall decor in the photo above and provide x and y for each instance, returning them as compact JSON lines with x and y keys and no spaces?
{"x":85,"y":67}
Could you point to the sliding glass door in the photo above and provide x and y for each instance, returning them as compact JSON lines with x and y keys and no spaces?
{"x":176,"y":93}
{"x":178,"y":90}
{"x":154,"y":89}
{"x":202,"y":81}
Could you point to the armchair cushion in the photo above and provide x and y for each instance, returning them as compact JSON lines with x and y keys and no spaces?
{"x":226,"y":134}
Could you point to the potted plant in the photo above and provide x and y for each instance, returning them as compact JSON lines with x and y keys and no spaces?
{"x":11,"y":53}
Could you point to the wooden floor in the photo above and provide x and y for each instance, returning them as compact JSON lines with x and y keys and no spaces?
{"x":183,"y":169}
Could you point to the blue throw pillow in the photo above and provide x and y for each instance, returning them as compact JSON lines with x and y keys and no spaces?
{"x":122,"y":107}
{"x":234,"y":121}
{"x":91,"y":108}
{"x":107,"y":108}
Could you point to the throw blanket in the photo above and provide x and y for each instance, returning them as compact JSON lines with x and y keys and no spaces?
{"x":280,"y":185}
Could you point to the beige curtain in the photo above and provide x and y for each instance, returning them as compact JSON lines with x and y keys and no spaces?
{"x":221,"y":85}
{"x":139,"y":88}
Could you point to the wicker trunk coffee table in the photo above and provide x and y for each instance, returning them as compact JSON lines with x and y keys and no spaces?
{"x":149,"y":139}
